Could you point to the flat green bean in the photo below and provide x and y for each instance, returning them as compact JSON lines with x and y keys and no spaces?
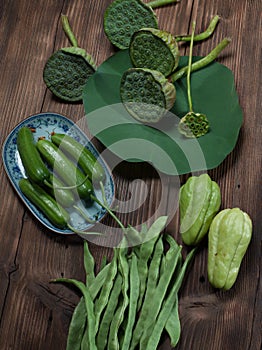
{"x":113,"y":342}
{"x":77,"y":327}
{"x":172,"y":257}
{"x":134,"y":295}
{"x":78,"y":320}
{"x":153,"y":276}
{"x":89,"y":264}
{"x":173,"y":326}
{"x":201,"y":36}
{"x":155,"y":333}
{"x":101,"y":302}
{"x":108,"y":314}
{"x":145,"y":253}
{"x":89,"y":308}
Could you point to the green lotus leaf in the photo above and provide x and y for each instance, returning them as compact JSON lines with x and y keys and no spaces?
{"x":214,"y":95}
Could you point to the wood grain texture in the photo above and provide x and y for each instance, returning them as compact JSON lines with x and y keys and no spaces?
{"x":35,"y":314}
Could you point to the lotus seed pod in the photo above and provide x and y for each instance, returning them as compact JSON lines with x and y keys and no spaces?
{"x":154,"y":49}
{"x":67,"y":71}
{"x":124,"y":17}
{"x":193,"y":125}
{"x":146,"y":94}
{"x":228,"y":239}
{"x":199,"y":202}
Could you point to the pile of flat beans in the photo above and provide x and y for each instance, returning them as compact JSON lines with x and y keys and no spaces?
{"x":133,"y":300}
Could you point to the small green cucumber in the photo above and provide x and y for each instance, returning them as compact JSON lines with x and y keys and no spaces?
{"x":64,"y":168}
{"x":34,"y":166}
{"x":63,"y":196}
{"x":85,"y":159}
{"x":45,"y":203}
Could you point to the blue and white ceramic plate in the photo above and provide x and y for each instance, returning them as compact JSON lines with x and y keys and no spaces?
{"x":44,"y":124}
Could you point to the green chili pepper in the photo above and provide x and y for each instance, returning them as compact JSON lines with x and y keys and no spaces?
{"x":199,"y":201}
{"x":229,"y":236}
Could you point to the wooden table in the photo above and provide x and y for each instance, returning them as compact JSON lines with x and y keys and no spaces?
{"x":35,"y":314}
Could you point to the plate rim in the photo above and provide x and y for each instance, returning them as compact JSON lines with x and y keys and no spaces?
{"x":31,"y":207}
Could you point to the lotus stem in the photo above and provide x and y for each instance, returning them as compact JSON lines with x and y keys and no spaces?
{"x":201,"y":36}
{"x":68,"y":31}
{"x":203,"y":62}
{"x":158,"y":3}
{"x":189,"y":68}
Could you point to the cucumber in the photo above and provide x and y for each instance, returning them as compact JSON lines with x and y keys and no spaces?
{"x":65,"y":169}
{"x":45,"y":203}
{"x":63,"y":196}
{"x":34,"y":166}
{"x":84,"y":158}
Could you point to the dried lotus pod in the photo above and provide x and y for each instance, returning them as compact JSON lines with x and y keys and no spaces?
{"x":154,"y":49}
{"x":193,"y":125}
{"x":124,"y":17}
{"x":67,"y":70}
{"x":146,"y":94}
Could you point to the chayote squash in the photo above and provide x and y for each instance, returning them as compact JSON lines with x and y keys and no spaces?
{"x":228,"y":239}
{"x":199,"y":202}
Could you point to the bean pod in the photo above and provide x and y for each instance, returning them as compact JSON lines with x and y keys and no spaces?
{"x":228,"y":239}
{"x":199,"y":202}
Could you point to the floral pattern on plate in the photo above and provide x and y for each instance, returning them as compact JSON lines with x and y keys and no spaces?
{"x":44,"y":124}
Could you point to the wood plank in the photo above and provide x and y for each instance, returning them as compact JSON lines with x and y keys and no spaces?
{"x":36,"y":314}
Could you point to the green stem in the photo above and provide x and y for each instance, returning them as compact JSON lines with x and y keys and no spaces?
{"x":84,"y":215}
{"x":106,"y":207}
{"x":201,"y":36}
{"x":158,"y":3}
{"x":189,"y":69}
{"x":68,"y":31}
{"x":202,"y":62}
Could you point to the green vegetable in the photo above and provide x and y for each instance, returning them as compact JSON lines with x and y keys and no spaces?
{"x":89,"y":304}
{"x":44,"y":202}
{"x":153,"y":309}
{"x":111,"y":306}
{"x":228,"y":239}
{"x":124,"y":17}
{"x":203,"y":62}
{"x":201,"y":36}
{"x":192,"y":124}
{"x":85,"y":159}
{"x":134,"y":283}
{"x":199,"y":201}
{"x":154,"y":49}
{"x":34,"y":166}
{"x":121,"y":323}
{"x":64,"y":168}
{"x":62,"y":195}
{"x":123,"y":268}
{"x":156,"y":331}
{"x":148,"y":94}
{"x":68,"y":69}
{"x":101,"y":302}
